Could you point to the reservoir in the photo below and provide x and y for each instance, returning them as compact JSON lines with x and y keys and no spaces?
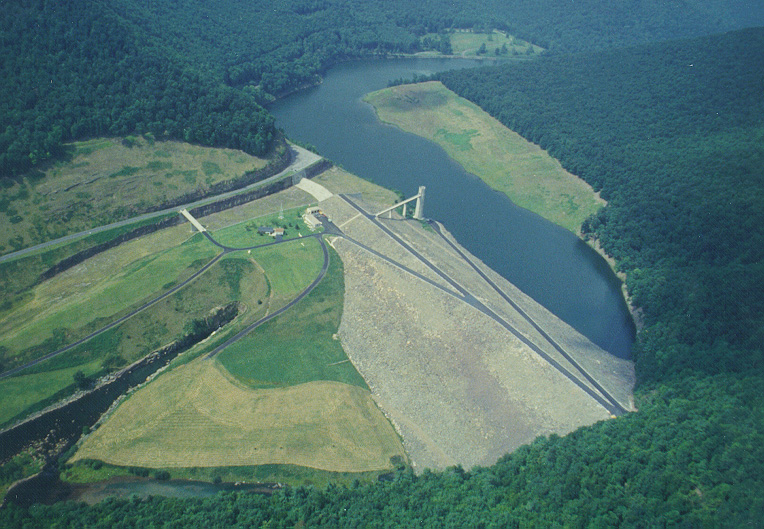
{"x":545,"y":261}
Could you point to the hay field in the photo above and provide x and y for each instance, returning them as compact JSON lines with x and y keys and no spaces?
{"x":106,"y":180}
{"x":197,"y":416}
{"x":467,"y":43}
{"x":528,"y":175}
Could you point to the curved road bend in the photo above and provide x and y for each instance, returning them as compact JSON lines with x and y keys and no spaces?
{"x":302,"y":159}
{"x":608,"y":402}
{"x":283,"y":309}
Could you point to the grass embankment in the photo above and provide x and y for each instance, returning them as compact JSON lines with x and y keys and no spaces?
{"x":337,"y":180}
{"x":107,"y":180}
{"x":299,"y":346}
{"x":504,"y":160}
{"x":283,"y":404}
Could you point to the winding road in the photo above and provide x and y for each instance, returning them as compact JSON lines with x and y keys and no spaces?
{"x":593,"y":388}
{"x":226,"y":250}
{"x":301,"y":159}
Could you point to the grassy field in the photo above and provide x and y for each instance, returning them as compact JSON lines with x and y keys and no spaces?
{"x":18,"y":394}
{"x":290,"y":267}
{"x":197,"y":416}
{"x":233,"y":278}
{"x":85,"y":298}
{"x":467,"y":43}
{"x":304,"y":415}
{"x":505,"y":161}
{"x":337,"y":180}
{"x":300,"y":345}
{"x":245,"y":234}
{"x":107,"y":180}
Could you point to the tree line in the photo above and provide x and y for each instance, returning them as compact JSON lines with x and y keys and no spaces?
{"x":75,"y":70}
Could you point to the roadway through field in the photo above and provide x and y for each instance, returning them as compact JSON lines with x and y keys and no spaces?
{"x":226,"y":250}
{"x":301,"y":159}
{"x":601,"y":396}
{"x":283,"y":309}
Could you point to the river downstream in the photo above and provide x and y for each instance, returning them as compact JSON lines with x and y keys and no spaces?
{"x":546,"y":261}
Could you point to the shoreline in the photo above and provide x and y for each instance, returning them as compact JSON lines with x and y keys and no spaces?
{"x":636,"y":312}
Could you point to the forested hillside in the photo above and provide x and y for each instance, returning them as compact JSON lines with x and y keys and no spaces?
{"x":74,"y":69}
{"x":672,"y":135}
{"x":80,"y":69}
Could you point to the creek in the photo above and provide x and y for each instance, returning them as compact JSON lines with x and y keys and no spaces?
{"x":547,"y":262}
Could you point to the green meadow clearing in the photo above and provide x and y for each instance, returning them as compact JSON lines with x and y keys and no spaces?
{"x":503,"y":159}
{"x":79,"y":301}
{"x":468,"y":43}
{"x":245,"y":234}
{"x":300,"y":345}
{"x":57,"y":312}
{"x":231,"y":279}
{"x":283,"y":404}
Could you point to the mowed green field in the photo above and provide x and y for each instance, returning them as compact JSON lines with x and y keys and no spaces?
{"x":107,"y":180}
{"x":81,"y":300}
{"x":245,"y":234}
{"x":231,"y":279}
{"x":283,"y":402}
{"x":484,"y":147}
{"x":300,"y":345}
{"x":290,"y":267}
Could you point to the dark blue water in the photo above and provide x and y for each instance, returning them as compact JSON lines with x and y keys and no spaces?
{"x":545,"y":261}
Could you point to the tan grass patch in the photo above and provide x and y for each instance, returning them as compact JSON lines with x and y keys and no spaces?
{"x":196,"y":416}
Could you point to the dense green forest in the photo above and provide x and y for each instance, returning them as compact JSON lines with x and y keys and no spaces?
{"x":671,"y":133}
{"x":73,"y":70}
{"x":673,"y":136}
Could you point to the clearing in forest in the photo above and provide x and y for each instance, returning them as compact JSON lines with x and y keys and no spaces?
{"x":528,"y":175}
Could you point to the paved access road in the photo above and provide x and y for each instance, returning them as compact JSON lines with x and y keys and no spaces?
{"x":604,"y":398}
{"x":301,"y":158}
{"x":226,"y":250}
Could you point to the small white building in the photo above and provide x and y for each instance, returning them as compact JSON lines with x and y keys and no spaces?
{"x":311,"y":221}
